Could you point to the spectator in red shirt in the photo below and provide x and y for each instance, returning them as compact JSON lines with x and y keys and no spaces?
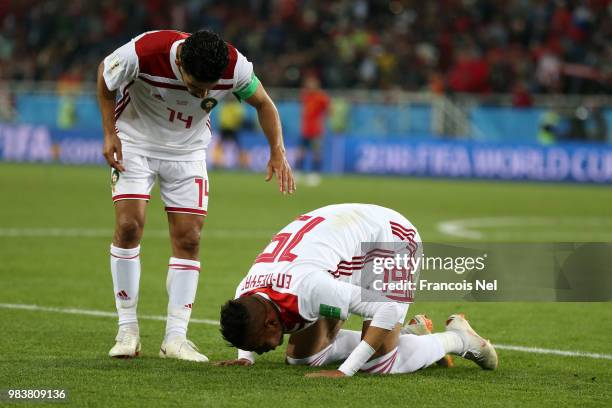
{"x":521,"y":98}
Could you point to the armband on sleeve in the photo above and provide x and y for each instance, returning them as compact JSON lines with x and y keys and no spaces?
{"x":248,"y":90}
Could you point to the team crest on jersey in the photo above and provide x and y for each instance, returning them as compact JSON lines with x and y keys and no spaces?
{"x":208,"y":104}
{"x":114,"y":178}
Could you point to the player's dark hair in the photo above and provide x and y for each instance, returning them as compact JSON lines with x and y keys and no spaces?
{"x":235,"y":323}
{"x":204,"y":55}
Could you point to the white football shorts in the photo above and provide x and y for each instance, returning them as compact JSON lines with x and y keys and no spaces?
{"x":183,"y":184}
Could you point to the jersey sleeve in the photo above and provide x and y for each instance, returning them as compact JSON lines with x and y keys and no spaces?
{"x":380,"y":310}
{"x":121,"y":66}
{"x":245,"y":80}
{"x":321,"y":295}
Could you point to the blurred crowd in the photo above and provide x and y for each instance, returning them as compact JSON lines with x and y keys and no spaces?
{"x":444,"y":46}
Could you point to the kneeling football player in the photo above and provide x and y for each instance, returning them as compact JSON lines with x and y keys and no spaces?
{"x":307,"y":282}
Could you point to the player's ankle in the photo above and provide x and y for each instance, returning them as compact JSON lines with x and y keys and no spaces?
{"x":451,"y":342}
{"x":174,"y":336}
{"x":129,"y":326}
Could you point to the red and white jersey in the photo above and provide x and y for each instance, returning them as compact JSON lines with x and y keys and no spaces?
{"x":300,"y":268}
{"x":155,"y":115}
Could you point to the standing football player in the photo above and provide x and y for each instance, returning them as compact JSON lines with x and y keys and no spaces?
{"x":312,"y":276}
{"x":159,"y":127}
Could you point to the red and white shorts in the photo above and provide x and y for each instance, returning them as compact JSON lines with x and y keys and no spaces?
{"x":183,"y":184}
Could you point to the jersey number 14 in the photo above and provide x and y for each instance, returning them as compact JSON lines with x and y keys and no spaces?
{"x":179,"y":116}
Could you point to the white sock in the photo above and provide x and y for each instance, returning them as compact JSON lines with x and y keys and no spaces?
{"x":182,"y":283}
{"x":416,"y":352}
{"x":343,"y":345}
{"x":125,"y":269}
{"x":382,"y":365}
{"x":450,"y":341}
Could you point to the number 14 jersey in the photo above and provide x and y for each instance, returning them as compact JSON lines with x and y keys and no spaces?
{"x":155,"y":115}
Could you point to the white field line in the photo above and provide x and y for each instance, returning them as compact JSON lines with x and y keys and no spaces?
{"x":100,"y":313}
{"x":85,"y":312}
{"x":484,"y":227}
{"x":108,"y":233}
{"x":539,"y":350}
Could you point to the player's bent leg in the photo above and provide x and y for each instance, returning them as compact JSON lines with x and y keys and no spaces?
{"x":416,"y":352}
{"x":322,"y":343}
{"x":181,"y":284}
{"x":422,"y":325}
{"x":382,"y":362}
{"x":404,"y":353}
{"x":125,"y":271}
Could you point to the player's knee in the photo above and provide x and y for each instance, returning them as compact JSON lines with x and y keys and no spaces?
{"x":128,"y":232}
{"x":189,"y":241}
{"x":297,"y":361}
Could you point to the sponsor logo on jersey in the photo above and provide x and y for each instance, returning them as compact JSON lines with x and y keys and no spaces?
{"x":114,"y":62}
{"x":208,"y":104}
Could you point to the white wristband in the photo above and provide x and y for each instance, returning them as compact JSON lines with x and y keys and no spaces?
{"x":247,"y":355}
{"x":357,"y":358}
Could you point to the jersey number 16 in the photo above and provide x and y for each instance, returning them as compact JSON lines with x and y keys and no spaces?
{"x":286,"y":241}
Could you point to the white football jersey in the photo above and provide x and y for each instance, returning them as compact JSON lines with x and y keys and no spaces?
{"x":299,"y":267}
{"x":155,"y":115}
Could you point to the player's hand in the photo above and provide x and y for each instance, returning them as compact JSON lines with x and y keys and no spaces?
{"x":279,"y":165}
{"x":237,"y":362}
{"x":112,"y":151}
{"x":326,"y":373}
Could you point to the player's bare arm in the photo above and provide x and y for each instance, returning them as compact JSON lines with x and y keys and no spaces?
{"x":271,"y":125}
{"x":112,"y":144}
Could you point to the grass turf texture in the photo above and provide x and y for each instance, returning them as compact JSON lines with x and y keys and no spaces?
{"x":47,"y":350}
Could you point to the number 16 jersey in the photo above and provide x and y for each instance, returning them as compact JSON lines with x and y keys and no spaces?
{"x":301,"y":268}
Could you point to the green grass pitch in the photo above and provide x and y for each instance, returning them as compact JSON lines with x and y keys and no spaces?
{"x":52,"y":350}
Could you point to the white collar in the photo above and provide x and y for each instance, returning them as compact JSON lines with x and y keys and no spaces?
{"x":175,"y":68}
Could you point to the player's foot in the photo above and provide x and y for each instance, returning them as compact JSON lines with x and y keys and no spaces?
{"x":181,"y":349}
{"x":421,"y":325}
{"x":128,"y":344}
{"x":475,"y":348}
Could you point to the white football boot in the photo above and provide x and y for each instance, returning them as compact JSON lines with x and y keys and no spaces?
{"x":421,"y":325}
{"x":128,"y":344}
{"x":181,"y":349}
{"x":476,"y":348}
